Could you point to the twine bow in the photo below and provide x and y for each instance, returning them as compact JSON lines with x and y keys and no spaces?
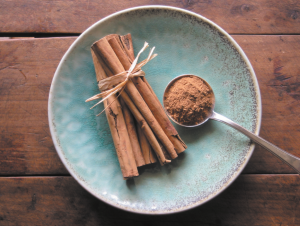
{"x":117,"y":83}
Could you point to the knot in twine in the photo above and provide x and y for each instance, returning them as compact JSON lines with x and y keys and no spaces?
{"x":117,"y":83}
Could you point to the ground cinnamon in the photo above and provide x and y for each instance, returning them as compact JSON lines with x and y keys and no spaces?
{"x":188,"y":100}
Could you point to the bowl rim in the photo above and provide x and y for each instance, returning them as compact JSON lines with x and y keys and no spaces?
{"x":217,"y":27}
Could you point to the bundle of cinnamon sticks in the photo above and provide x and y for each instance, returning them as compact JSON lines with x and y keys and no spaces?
{"x":140,"y":128}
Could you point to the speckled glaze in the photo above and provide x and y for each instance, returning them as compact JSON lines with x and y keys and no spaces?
{"x":186,"y":43}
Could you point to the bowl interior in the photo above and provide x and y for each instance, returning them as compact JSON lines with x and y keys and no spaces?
{"x":186,"y":44}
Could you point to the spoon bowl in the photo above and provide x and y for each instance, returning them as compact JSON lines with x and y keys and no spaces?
{"x":202,"y":117}
{"x":181,"y":109}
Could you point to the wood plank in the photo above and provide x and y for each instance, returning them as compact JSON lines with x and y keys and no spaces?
{"x":276,"y":64}
{"x":27,"y":68}
{"x":251,"y":200}
{"x":26,"y":71}
{"x":235,"y":16}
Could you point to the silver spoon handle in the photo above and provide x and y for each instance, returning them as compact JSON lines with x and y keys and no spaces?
{"x":291,"y":160}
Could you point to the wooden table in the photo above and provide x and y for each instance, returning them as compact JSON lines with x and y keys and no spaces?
{"x":36,"y":189}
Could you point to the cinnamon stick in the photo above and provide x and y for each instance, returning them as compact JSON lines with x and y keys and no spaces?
{"x":166,"y":154}
{"x":126,"y":40}
{"x":146,"y":129}
{"x":107,"y":53}
{"x":139,"y":118}
{"x":118,"y":128}
{"x":151,"y":99}
{"x":133,"y":135}
{"x":146,"y":147}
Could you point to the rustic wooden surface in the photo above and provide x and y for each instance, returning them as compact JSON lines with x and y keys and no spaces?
{"x":26,"y":74}
{"x":36,"y":189}
{"x":235,"y":16}
{"x":251,"y":200}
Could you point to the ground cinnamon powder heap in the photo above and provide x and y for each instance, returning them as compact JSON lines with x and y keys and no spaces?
{"x":189,"y":100}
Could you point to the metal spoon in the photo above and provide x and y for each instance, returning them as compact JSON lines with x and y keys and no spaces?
{"x":291,"y":160}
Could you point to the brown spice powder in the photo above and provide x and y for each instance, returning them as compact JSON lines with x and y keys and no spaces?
{"x":189,"y":100}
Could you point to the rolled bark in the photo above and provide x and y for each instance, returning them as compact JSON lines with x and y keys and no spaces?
{"x":118,"y":128}
{"x":133,"y":135}
{"x":146,"y":129}
{"x":146,"y":147}
{"x":151,"y":99}
{"x":166,"y":154}
{"x":126,"y":40}
{"x":139,"y":118}
{"x":104,"y":50}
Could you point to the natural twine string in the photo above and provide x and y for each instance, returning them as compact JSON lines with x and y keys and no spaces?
{"x":119,"y":81}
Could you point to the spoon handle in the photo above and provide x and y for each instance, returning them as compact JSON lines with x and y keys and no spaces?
{"x":291,"y":160}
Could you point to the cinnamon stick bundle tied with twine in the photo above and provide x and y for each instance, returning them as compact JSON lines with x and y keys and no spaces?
{"x":118,"y":129}
{"x":125,"y":79}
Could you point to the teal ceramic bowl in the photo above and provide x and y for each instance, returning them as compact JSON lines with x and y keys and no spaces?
{"x":186,"y":43}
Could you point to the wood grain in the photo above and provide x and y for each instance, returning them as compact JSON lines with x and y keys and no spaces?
{"x":27,"y":68}
{"x":235,"y":16}
{"x":26,"y":71}
{"x":275,"y":62}
{"x":251,"y":200}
